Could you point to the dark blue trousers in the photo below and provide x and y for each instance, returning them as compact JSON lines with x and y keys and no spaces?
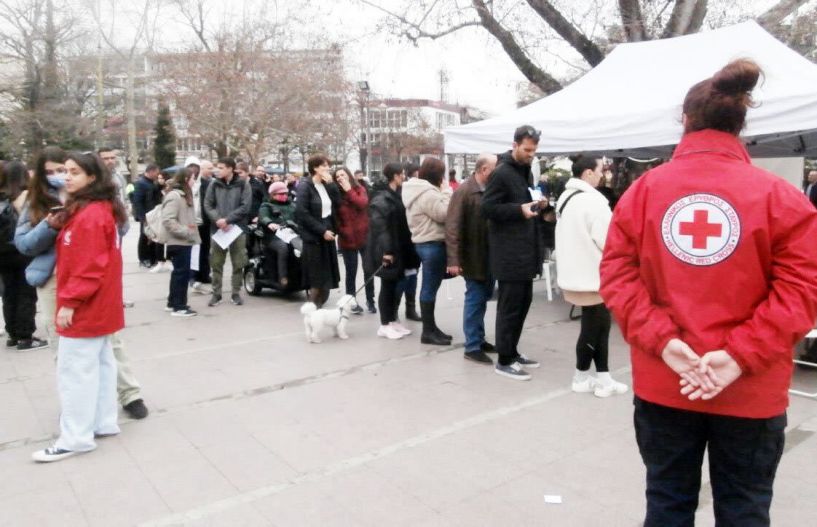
{"x":743,"y":458}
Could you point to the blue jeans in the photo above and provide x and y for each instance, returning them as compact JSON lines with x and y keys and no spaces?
{"x":180,"y":256}
{"x":743,"y":458}
{"x":477,"y":294}
{"x":432,"y":255}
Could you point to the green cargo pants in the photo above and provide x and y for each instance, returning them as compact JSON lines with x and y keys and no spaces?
{"x":238,"y":259}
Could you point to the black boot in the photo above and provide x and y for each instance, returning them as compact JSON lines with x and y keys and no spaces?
{"x":411,"y":311}
{"x":437,"y":331}
{"x":429,"y":335}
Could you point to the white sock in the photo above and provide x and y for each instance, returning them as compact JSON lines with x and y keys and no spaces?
{"x":604,"y":378}
{"x":581,"y":376}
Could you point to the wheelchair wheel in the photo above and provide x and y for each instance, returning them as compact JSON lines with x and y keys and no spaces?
{"x":251,"y":284}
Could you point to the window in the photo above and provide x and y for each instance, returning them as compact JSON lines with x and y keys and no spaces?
{"x":403,"y":118}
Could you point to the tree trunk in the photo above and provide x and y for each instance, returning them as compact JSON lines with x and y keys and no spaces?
{"x":588,"y":50}
{"x":545,"y":82}
{"x":133,"y":149}
{"x":633,"y":20}
{"x":680,"y":18}
{"x":698,"y":16}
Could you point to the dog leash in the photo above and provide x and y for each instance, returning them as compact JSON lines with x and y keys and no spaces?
{"x":365,"y":283}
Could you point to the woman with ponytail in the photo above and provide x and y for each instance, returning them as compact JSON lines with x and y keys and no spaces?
{"x":712,"y":286}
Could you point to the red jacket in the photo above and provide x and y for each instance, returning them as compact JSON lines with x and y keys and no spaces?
{"x":721,"y":254}
{"x":89,"y":272}
{"x":353,"y":218}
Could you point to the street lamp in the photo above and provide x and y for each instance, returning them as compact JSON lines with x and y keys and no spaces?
{"x":365,"y":91}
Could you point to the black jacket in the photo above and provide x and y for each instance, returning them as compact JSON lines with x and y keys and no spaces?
{"x":202,"y":194}
{"x":146,"y":195}
{"x":259,"y":195}
{"x":308,"y":209}
{"x":513,"y":239}
{"x":389,"y":234}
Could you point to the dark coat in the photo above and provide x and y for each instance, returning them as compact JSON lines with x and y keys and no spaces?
{"x":202,"y":194}
{"x":353,"y":218}
{"x":466,"y":232}
{"x":146,"y":195}
{"x":308,"y":208}
{"x":812,"y":196}
{"x":389,"y":234}
{"x":258,"y":192}
{"x":513,"y":238}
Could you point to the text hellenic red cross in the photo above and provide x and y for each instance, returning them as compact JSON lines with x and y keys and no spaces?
{"x":700,"y":229}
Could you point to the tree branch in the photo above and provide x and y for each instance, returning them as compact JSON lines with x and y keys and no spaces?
{"x":414,"y":30}
{"x":586,"y":47}
{"x":775,"y":15}
{"x":633,"y":20}
{"x":531,"y":71}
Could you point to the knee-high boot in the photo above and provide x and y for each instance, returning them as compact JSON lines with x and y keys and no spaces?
{"x":429,"y":335}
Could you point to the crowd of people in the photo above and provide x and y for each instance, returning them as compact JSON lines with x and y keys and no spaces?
{"x":708,"y":373}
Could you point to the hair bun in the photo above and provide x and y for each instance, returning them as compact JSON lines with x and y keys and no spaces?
{"x":575,"y":158}
{"x":736,"y":78}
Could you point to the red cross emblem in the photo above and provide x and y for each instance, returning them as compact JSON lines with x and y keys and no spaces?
{"x":700,"y":229}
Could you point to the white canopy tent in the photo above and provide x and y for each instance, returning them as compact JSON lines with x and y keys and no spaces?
{"x":630,"y":104}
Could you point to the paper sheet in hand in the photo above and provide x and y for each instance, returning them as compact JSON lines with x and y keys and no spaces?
{"x":194,"y":257}
{"x":553,"y":499}
{"x":226,"y":238}
{"x":535,"y":194}
{"x":286,"y":234}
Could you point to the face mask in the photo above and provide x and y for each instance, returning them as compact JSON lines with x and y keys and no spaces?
{"x":56,"y":180}
{"x":280,"y":198}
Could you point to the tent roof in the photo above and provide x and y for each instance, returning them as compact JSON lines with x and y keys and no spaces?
{"x":630,"y":104}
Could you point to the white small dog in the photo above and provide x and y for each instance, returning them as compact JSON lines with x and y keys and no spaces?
{"x":316,"y":319}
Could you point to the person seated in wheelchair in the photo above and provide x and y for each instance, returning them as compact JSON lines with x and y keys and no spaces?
{"x":273,"y":216}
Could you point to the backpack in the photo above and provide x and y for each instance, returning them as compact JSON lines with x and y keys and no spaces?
{"x":8,"y":224}
{"x":154,"y":230}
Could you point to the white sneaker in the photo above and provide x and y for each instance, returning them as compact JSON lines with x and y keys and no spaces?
{"x":400,"y":328}
{"x":609,"y":388}
{"x":585,"y":386}
{"x":156,"y":268}
{"x":389,"y":332}
{"x":166,"y":266}
{"x":198,"y":288}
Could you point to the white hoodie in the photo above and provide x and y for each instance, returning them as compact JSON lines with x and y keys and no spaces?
{"x":581,"y":231}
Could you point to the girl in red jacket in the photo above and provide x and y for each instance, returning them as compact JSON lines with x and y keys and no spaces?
{"x":353,"y":227}
{"x":710,"y":268}
{"x":89,"y":307}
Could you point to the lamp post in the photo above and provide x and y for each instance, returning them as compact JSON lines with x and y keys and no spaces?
{"x":365,"y":92}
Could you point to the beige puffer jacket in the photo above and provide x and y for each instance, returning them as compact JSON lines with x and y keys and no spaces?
{"x":179,"y":220}
{"x":426,"y":210}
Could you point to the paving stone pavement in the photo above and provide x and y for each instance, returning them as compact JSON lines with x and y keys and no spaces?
{"x":252,"y":426}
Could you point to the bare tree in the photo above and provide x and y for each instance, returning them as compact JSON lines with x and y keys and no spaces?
{"x":505,"y":20}
{"x":33,"y":34}
{"x":144,"y":21}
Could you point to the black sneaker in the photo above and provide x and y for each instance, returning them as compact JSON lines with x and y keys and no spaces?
{"x":372,"y":309}
{"x":487,"y":347}
{"x":524,"y":361}
{"x":136,"y":409}
{"x":183,"y":312}
{"x":514,"y":371}
{"x":31,"y":344}
{"x":357,"y":310}
{"x":10,"y":343}
{"x":478,"y":356}
{"x":50,"y":454}
{"x":236,"y":299}
{"x":214,"y":300}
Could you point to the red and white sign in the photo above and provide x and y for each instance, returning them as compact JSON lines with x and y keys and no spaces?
{"x":701,"y":229}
